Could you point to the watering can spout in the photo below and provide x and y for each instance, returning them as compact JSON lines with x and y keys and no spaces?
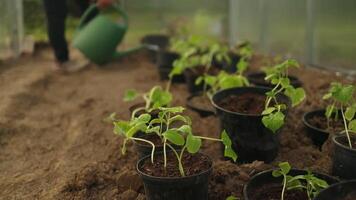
{"x":120,"y":54}
{"x":98,"y":37}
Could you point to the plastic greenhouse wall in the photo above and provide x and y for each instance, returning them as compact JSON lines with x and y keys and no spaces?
{"x":11,"y":28}
{"x":319,"y":32}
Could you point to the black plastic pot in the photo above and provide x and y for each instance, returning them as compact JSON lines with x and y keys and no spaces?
{"x":144,"y":149}
{"x":266,"y":178}
{"x":251,"y":139}
{"x":318,"y":136}
{"x":190,"y":77}
{"x":175,"y":188}
{"x":257,"y":79}
{"x":155,"y":42}
{"x":201,"y":111}
{"x":165,"y":65}
{"x":228,"y":67}
{"x":339,"y":191}
{"x":344,"y":158}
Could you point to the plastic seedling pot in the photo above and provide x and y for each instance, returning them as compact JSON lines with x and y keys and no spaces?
{"x":203,"y":111}
{"x":344,"y":158}
{"x":190,"y":77}
{"x":228,"y":67}
{"x":318,"y":136}
{"x":165,"y":65}
{"x":265,"y":180}
{"x":258,"y":79}
{"x":155,"y":42}
{"x":341,"y":191}
{"x":175,"y":188}
{"x":251,"y":139}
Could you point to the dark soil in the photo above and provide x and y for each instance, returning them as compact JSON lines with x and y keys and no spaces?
{"x":202,"y":102}
{"x":345,"y":142}
{"x":273,"y":192}
{"x":200,"y":70}
{"x":320,"y":122}
{"x":247,"y":103}
{"x":351,"y":196}
{"x":192,"y":164}
{"x":54,"y":143}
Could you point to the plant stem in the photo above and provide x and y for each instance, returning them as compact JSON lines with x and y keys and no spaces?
{"x":180,"y":165}
{"x":168,"y":87}
{"x":135,"y":111}
{"x":149,"y":142}
{"x":165,"y":153}
{"x":207,"y":138}
{"x":284,"y":186}
{"x":346,"y":129}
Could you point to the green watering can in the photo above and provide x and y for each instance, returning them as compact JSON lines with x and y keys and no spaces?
{"x":98,"y":38}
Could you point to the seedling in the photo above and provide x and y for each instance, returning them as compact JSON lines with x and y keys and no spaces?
{"x":273,"y":117}
{"x":308,"y":182}
{"x":342,"y":99}
{"x":155,"y":98}
{"x":224,"y":80}
{"x":181,"y":136}
{"x":232,"y":198}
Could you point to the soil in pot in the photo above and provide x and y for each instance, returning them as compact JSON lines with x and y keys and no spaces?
{"x":344,"y":158}
{"x":239,"y":111}
{"x":317,"y":127}
{"x":247,"y":103}
{"x":168,"y":184}
{"x":273,"y":192}
{"x":191,"y":74}
{"x":258,"y":79}
{"x":201,"y":104}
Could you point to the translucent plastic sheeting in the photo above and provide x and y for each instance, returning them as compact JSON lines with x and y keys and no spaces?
{"x":317,"y":32}
{"x":207,"y":17}
{"x":11,"y":28}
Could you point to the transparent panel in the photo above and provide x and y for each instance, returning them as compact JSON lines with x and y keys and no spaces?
{"x":335,"y":34}
{"x":207,"y":17}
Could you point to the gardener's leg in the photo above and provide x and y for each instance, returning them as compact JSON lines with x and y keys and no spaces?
{"x":56,"y":11}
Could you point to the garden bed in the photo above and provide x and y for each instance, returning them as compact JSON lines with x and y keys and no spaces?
{"x":54,"y":143}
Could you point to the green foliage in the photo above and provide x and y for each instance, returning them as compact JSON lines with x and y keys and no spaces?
{"x":342,"y":99}
{"x":231,"y":198}
{"x":155,"y":98}
{"x":308,"y":182}
{"x":273,"y":117}
{"x":162,"y":126}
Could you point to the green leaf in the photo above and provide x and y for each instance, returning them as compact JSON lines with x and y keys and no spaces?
{"x":329,"y":110}
{"x":144,"y":118}
{"x":180,"y":118}
{"x":174,"y":137}
{"x":273,"y":121}
{"x":121,"y":127}
{"x":185,"y":129}
{"x":343,"y":93}
{"x":350,"y":112}
{"x":285,"y":167}
{"x":178,"y":109}
{"x":352,"y":125}
{"x":268,"y":111}
{"x":296,"y":95}
{"x":199,"y":80}
{"x":231,"y":198}
{"x":193,"y":143}
{"x":130,"y":95}
{"x":228,"y":152}
{"x":327,"y":96}
{"x":276,"y":173}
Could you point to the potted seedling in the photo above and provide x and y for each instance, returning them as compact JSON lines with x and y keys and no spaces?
{"x":341,"y":191}
{"x":197,"y":61}
{"x":253,"y":116}
{"x":153,"y":99}
{"x":240,"y":51}
{"x":201,"y":102}
{"x":343,"y":100}
{"x":174,"y":173}
{"x":286,"y":183}
{"x":318,"y":126}
{"x":154,"y":44}
{"x":258,"y":78}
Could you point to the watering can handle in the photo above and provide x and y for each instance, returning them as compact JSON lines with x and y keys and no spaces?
{"x":94,"y":7}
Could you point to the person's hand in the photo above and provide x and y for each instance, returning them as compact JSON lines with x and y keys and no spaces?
{"x":104,"y":3}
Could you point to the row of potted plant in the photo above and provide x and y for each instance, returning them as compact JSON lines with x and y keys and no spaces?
{"x":251,"y":116}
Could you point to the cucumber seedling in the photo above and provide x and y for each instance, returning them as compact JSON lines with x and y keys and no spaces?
{"x":342,"y":99}
{"x":156,"y":97}
{"x":181,"y":136}
{"x":307,"y":182}
{"x":273,"y":116}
